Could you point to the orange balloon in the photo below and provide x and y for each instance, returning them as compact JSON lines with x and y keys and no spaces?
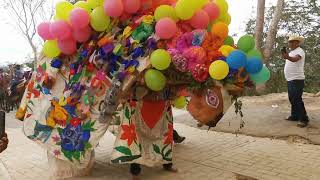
{"x":220,"y":29}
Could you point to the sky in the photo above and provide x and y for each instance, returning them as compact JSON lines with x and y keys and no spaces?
{"x":14,"y":48}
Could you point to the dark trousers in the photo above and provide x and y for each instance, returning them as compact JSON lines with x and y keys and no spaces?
{"x":295,"y":91}
{"x":135,"y":169}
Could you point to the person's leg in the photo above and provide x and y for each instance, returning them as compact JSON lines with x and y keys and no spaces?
{"x":135,"y":170}
{"x":292,"y":94}
{"x":302,"y":114}
{"x":169,"y":167}
{"x":177,"y":138}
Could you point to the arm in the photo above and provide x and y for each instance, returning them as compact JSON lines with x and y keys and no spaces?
{"x":3,"y":143}
{"x":292,"y":59}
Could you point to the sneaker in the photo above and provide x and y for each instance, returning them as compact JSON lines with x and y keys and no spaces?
{"x":302,"y":124}
{"x":179,"y":140}
{"x":290,"y":118}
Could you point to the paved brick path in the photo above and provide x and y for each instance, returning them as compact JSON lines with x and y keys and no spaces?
{"x":203,"y":156}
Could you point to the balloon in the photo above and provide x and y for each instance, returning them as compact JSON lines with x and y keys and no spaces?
{"x":131,"y":6}
{"x":99,"y":20}
{"x":180,"y":102}
{"x":51,"y":49}
{"x":113,"y":8}
{"x":184,"y":9}
{"x":60,"y":29}
{"x":198,"y":4}
{"x":155,"y":80}
{"x":166,"y":28}
{"x":254,"y":65}
{"x":200,"y":19}
{"x":223,"y":6}
{"x":84,"y":5}
{"x":218,"y":70}
{"x":63,"y":10}
{"x":82,"y":35}
{"x":246,"y":43}
{"x":237,"y":59}
{"x":261,"y":77}
{"x":165,"y":11}
{"x":79,"y":18}
{"x":226,"y":50}
{"x":220,"y":29}
{"x":160,"y":59}
{"x":226,"y":18}
{"x":213,"y":10}
{"x":95,"y":3}
{"x":67,"y":46}
{"x":255,"y":53}
{"x":44,"y":31}
{"x":229,"y":41}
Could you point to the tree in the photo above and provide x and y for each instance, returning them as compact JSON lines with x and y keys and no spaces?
{"x":25,"y":16}
{"x":259,"y":24}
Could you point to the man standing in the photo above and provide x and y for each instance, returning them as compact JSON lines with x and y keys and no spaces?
{"x":294,"y":74}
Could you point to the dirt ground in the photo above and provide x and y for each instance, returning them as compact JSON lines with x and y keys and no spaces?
{"x":264,"y":116}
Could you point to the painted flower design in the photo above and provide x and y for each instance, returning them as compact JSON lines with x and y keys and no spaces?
{"x":75,"y":122}
{"x":200,"y":72}
{"x":74,"y":138}
{"x":40,"y":73}
{"x":129,"y":133}
{"x":169,"y":135}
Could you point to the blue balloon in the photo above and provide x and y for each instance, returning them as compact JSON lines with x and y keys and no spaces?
{"x":237,"y":59}
{"x":254,"y":65}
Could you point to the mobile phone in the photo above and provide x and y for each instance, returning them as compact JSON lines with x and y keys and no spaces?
{"x":2,"y":123}
{"x":284,"y":50}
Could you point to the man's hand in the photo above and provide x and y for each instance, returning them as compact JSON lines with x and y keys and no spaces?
{"x":285,"y":56}
{"x":292,"y":59}
{"x":3,"y":143}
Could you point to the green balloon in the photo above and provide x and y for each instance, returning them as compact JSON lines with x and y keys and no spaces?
{"x":155,"y":80}
{"x":246,"y":43}
{"x":255,"y":53}
{"x":261,"y":77}
{"x":160,"y":59}
{"x":229,"y":41}
{"x":99,"y":20}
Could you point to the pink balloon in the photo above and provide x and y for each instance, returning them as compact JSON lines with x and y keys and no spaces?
{"x":213,"y":10}
{"x":166,"y":28}
{"x":82,"y":35}
{"x":60,"y":29}
{"x":200,"y":19}
{"x":131,"y":6}
{"x":79,"y":18}
{"x":67,"y":46}
{"x":113,"y":8}
{"x":44,"y":31}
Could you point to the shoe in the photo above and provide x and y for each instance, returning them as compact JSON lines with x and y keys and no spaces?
{"x":302,"y":124}
{"x":179,"y":140}
{"x":290,"y":118}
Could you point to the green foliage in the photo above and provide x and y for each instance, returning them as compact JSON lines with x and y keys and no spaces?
{"x":300,"y":17}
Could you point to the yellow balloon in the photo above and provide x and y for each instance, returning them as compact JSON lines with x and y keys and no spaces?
{"x":226,"y":50}
{"x":180,"y":102}
{"x":51,"y":49}
{"x":223,"y":6}
{"x":218,"y":70}
{"x":226,"y":18}
{"x":99,"y":20}
{"x":199,"y":4}
{"x":63,"y":10}
{"x":165,"y":11}
{"x":84,"y":5}
{"x":95,"y":3}
{"x":185,"y":9}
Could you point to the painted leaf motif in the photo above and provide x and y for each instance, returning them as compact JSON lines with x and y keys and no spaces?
{"x":87,"y":146}
{"x":124,"y":150}
{"x":168,"y":153}
{"x":58,"y":143}
{"x":59,"y":130}
{"x":76,"y":155}
{"x":127,"y":113}
{"x":68,"y":155}
{"x":156,"y":149}
{"x":44,"y":66}
{"x":162,"y":151}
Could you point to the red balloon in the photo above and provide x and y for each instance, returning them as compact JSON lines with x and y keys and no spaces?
{"x":113,"y":8}
{"x":82,"y":35}
{"x":44,"y":31}
{"x":131,"y":6}
{"x":213,"y":10}
{"x":166,"y":28}
{"x":200,"y":19}
{"x":67,"y":46}
{"x":79,"y":18}
{"x":60,"y":30}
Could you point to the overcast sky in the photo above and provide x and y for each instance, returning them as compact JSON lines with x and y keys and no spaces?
{"x":14,"y":48}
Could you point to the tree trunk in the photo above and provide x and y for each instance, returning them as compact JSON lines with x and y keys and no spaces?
{"x":273,"y":29}
{"x":259,"y":24}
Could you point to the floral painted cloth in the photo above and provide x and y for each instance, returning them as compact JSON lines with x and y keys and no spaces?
{"x":61,"y":110}
{"x":146,"y":134}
